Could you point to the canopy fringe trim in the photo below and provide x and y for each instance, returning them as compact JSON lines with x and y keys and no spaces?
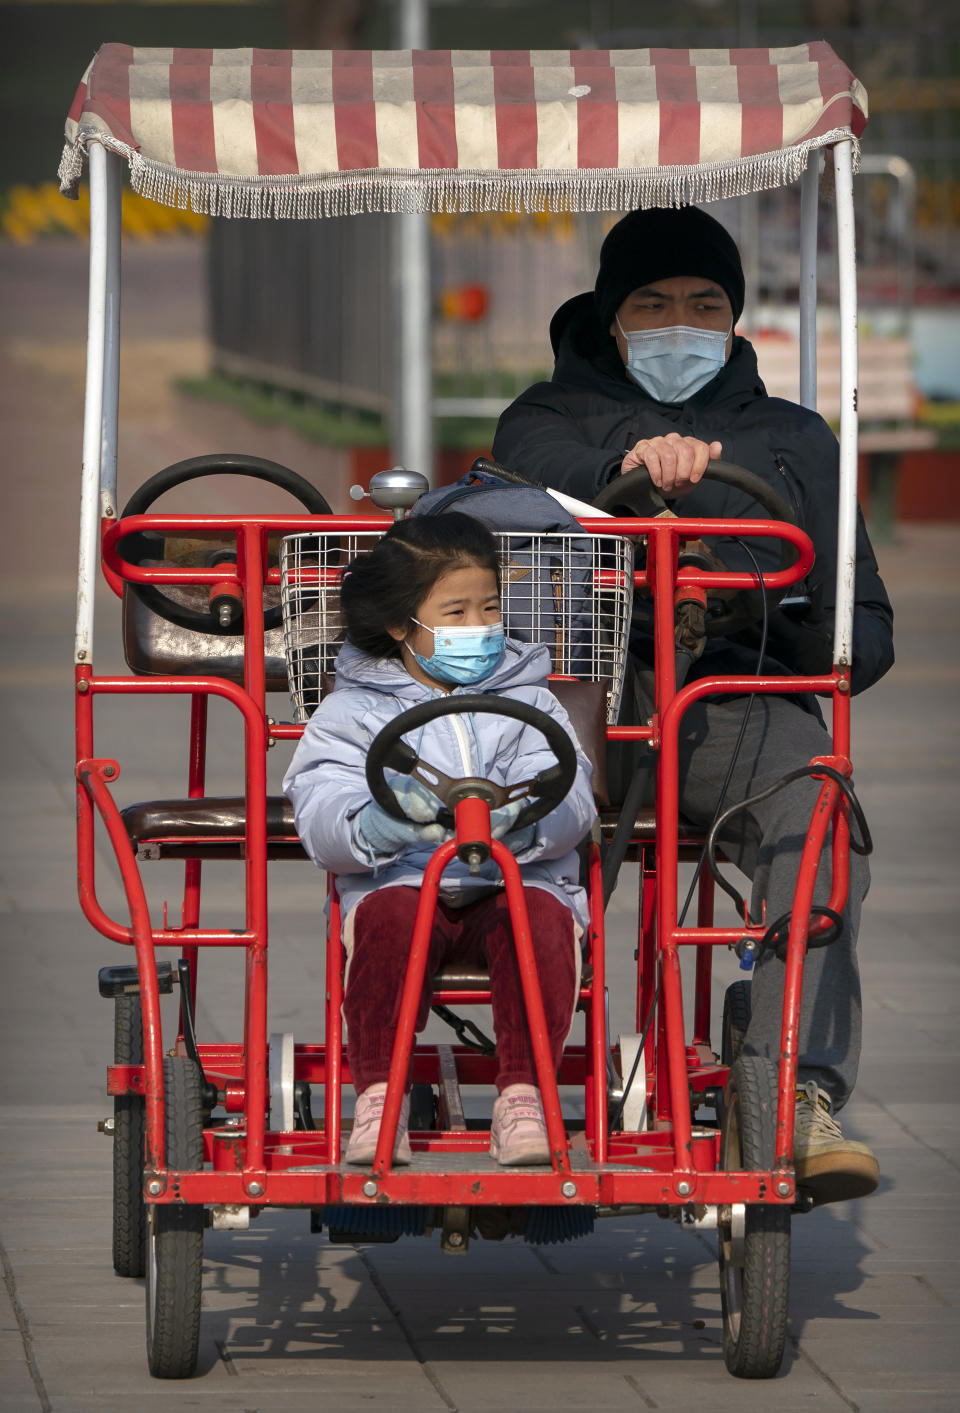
{"x":449,"y":190}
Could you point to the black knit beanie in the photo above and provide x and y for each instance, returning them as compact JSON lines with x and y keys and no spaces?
{"x":647,"y":246}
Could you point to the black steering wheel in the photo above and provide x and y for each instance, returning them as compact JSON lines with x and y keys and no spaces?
{"x":136,"y":548}
{"x":548,"y":787}
{"x":635,"y":494}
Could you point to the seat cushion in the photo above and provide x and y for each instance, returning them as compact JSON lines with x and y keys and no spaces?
{"x":645,"y":826}
{"x":454,"y":976}
{"x":210,"y":817}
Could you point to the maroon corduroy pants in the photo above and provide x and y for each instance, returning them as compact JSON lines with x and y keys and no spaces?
{"x":479,"y":934}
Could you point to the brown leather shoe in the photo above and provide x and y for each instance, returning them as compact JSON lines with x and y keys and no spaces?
{"x":830,"y":1167}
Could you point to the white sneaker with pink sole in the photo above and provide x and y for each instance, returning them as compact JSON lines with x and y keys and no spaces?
{"x":518,"y":1134}
{"x":362,"y":1145}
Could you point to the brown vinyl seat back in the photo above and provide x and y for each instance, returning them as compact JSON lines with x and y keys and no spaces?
{"x":155,"y":647}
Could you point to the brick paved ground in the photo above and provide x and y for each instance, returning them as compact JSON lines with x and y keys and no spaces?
{"x":628,"y":1319}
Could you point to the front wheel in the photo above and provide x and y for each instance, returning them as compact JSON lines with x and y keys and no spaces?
{"x":736,"y":1018}
{"x":754,"y":1240}
{"x":175,"y":1234}
{"x":129,"y":1211}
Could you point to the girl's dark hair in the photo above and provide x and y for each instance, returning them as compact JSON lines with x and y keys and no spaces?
{"x":388,"y":585}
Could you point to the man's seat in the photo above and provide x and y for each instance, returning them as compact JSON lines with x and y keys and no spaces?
{"x":689,"y":836}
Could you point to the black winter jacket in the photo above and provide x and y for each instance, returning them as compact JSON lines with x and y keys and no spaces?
{"x":573,"y":432}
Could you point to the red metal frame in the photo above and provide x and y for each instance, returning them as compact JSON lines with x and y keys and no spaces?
{"x":678,"y":1159}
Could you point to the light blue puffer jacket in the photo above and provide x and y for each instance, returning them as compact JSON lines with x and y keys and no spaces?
{"x":327,"y":786}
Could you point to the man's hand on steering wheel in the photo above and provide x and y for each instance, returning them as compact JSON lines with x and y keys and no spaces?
{"x":633,"y":493}
{"x":674,"y":463}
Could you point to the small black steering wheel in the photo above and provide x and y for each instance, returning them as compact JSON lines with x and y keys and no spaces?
{"x":635,"y":494}
{"x":548,"y":787}
{"x":136,"y":548}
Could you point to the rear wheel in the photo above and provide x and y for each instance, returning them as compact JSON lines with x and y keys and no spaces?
{"x":754,"y":1240}
{"x":129,"y":1210}
{"x":736,"y":1018}
{"x":175,"y":1234}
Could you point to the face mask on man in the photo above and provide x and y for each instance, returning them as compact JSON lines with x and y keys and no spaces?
{"x":672,"y":364}
{"x":463,"y":655}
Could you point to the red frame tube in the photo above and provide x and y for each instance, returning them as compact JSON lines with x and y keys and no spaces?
{"x":472,"y":828}
{"x":87,"y":687}
{"x":409,"y":1003}
{"x":533,"y":999}
{"x":92,"y":786}
{"x":192,"y":869}
{"x":793,"y":981}
{"x":92,"y":775}
{"x":333,"y":1078}
{"x":701,"y":986}
{"x":596,"y":1098}
{"x":658,"y":913}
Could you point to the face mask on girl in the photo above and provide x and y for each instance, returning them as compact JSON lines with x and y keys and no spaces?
{"x":672,"y":364}
{"x":463,"y":655}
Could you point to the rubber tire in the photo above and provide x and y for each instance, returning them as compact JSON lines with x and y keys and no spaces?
{"x":755,"y":1296}
{"x":175,"y":1235}
{"x":736,"y":1018}
{"x":129,"y":1209}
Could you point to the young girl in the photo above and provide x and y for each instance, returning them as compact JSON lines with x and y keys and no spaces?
{"x":422,"y":613}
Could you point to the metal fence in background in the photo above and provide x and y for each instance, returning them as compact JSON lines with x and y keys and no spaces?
{"x":304,"y":305}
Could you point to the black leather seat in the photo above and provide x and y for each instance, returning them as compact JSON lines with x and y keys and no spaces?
{"x":208,"y":827}
{"x":215,"y":827}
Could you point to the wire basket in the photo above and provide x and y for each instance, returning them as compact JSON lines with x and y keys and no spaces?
{"x":572,"y":592}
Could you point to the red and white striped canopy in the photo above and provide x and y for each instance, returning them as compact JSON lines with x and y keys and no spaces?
{"x":259,"y":132}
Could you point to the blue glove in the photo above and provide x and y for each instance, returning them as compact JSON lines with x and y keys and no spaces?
{"x":416,"y":801}
{"x":502,"y":821}
{"x":385,"y":835}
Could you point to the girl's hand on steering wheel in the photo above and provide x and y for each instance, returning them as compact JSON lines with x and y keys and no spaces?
{"x":502,"y":821}
{"x":386,"y":836}
{"x":675,"y":463}
{"x":417,"y":802}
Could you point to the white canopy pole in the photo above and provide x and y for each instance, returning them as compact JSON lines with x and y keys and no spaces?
{"x":413,"y":386}
{"x":809,"y":194}
{"x":111,"y":354}
{"x":104,"y":193}
{"x":847,"y":512}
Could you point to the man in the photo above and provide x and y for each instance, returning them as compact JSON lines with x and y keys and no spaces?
{"x":650,"y":372}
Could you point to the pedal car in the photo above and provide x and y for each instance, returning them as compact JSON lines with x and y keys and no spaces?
{"x":236,"y":606}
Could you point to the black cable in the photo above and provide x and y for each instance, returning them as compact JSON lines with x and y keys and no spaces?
{"x":460,"y":1025}
{"x":778,"y":932}
{"x":862,"y":846}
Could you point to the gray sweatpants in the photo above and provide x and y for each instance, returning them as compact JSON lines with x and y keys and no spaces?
{"x":766,"y":842}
